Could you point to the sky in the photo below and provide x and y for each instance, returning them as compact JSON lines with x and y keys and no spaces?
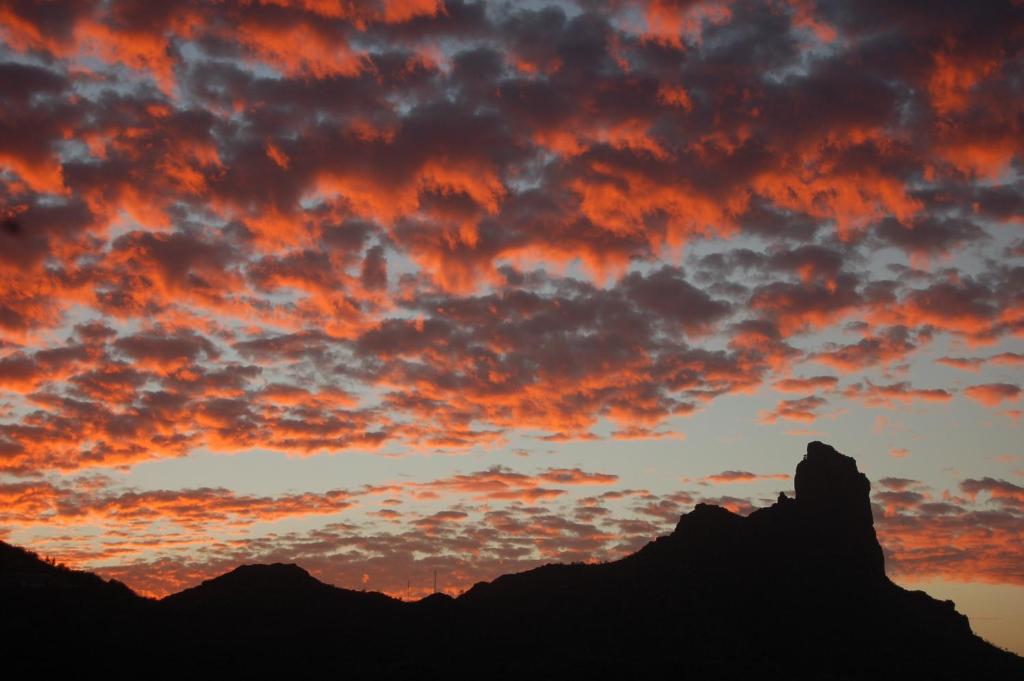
{"x":388,"y":287}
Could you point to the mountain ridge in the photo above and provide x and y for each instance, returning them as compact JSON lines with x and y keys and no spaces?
{"x":796,"y":590}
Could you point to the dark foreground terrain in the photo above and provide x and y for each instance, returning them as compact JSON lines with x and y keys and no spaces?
{"x":797,"y":590}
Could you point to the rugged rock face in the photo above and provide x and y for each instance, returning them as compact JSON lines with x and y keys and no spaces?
{"x":795,"y":590}
{"x":833,"y":499}
{"x":826,"y":532}
{"x":829,"y":484}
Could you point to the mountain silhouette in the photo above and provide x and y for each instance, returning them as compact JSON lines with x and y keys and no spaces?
{"x":795,"y":590}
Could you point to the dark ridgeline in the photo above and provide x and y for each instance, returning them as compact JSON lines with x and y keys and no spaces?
{"x":797,"y":590}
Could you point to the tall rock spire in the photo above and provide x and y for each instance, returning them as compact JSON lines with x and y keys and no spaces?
{"x":829,"y":483}
{"x":834,"y":508}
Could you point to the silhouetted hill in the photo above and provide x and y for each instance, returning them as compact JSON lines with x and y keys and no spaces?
{"x":21,"y":569}
{"x":247,"y":583}
{"x":50,"y":614}
{"x":796,"y":590}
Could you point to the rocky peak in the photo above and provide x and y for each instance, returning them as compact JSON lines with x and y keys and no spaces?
{"x":245,"y":582}
{"x":827,"y":531}
{"x":828,"y":483}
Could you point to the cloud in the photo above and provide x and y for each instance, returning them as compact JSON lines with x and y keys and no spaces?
{"x":727,"y":477}
{"x":929,"y":237}
{"x":950,"y":539}
{"x":965,"y":363}
{"x":884,"y":395}
{"x":889,"y":345}
{"x":804,"y":409}
{"x":897,"y":484}
{"x":1011,"y":358}
{"x":801,"y":385}
{"x":1000,"y":491}
{"x":426,"y":227}
{"x":498,"y":483}
{"x":574,"y":476}
{"x":29,"y":504}
{"x":993,"y":394}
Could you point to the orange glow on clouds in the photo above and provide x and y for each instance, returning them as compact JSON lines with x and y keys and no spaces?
{"x":417,"y":233}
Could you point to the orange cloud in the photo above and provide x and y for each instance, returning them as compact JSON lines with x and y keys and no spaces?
{"x":416,"y":227}
{"x":727,"y":477}
{"x":498,"y":483}
{"x":802,"y":385}
{"x":952,"y":79}
{"x":993,"y":394}
{"x":884,"y":395}
{"x":804,"y":409}
{"x":34,"y":504}
{"x":966,"y":363}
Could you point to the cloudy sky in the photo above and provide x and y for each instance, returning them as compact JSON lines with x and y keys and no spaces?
{"x":384,"y":287}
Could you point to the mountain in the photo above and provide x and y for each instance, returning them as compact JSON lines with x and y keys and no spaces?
{"x":51,"y":615}
{"x":796,"y":590}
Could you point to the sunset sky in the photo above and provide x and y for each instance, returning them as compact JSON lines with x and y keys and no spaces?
{"x":384,"y":287}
